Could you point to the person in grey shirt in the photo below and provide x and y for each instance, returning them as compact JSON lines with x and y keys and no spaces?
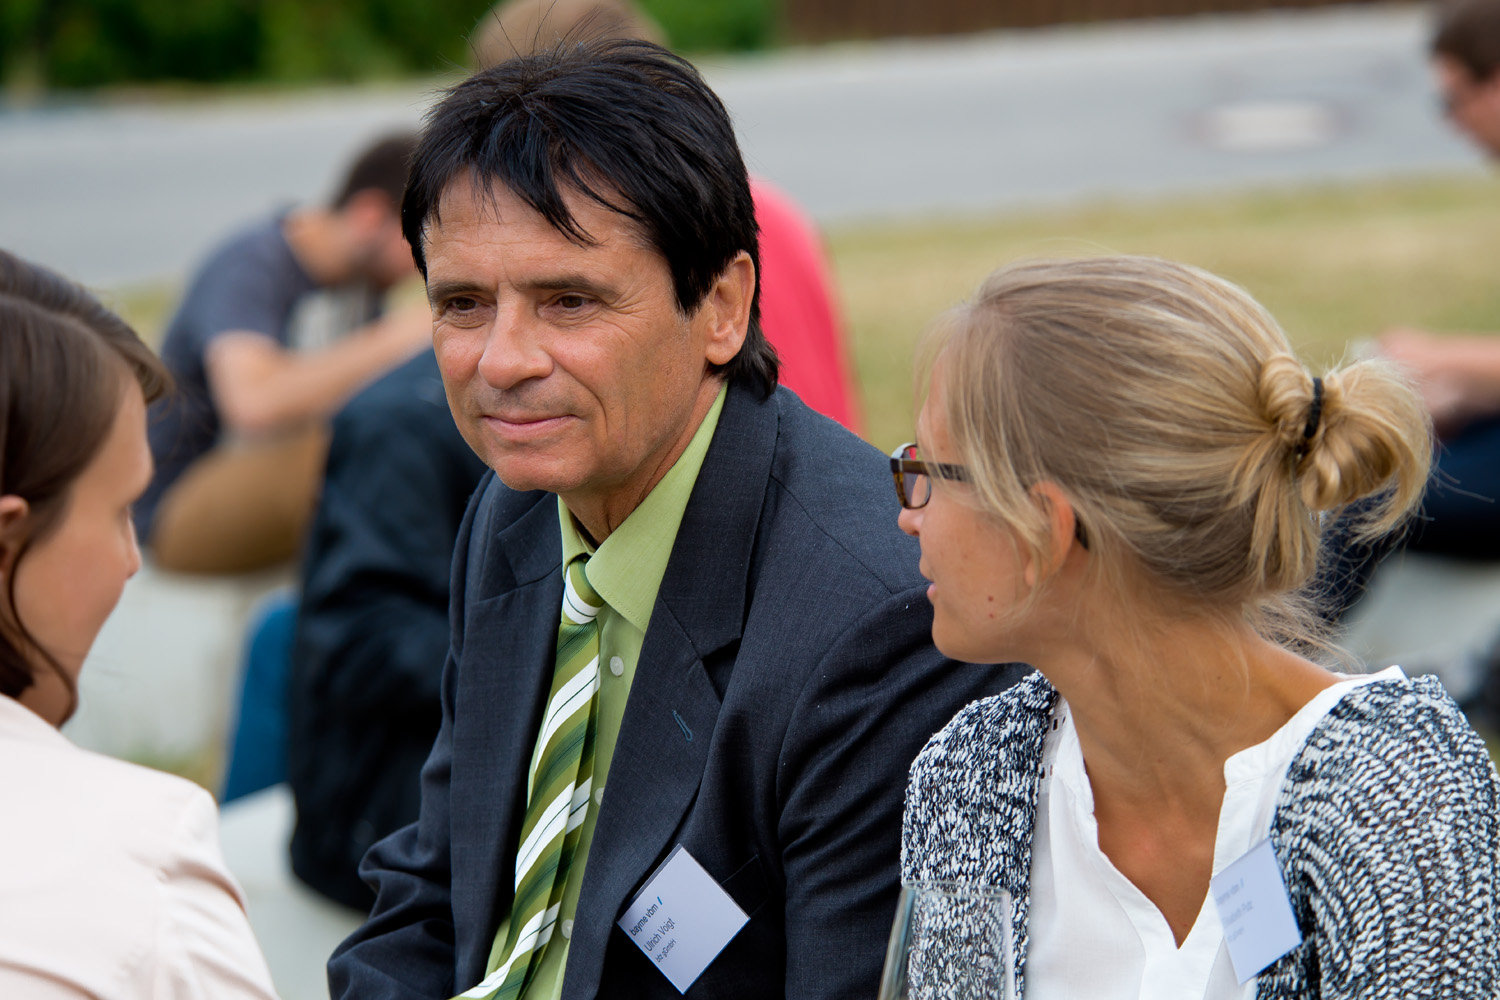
{"x":239,"y":448}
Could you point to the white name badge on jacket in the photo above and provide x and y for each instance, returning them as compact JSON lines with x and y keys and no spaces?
{"x":1256,"y":913}
{"x":682,"y":919}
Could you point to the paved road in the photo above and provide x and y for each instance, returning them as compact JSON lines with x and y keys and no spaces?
{"x":125,"y":193}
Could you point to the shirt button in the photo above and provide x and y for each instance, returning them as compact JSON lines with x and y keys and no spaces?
{"x":567,"y":929}
{"x":616,"y":666}
{"x":599,"y":795}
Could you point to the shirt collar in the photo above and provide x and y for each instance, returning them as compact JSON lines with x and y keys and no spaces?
{"x":627,"y":569}
{"x":18,"y":721}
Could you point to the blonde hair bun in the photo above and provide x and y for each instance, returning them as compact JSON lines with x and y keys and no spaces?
{"x":1167,"y":404}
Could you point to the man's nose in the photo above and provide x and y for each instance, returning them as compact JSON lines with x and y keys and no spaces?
{"x":514,"y":350}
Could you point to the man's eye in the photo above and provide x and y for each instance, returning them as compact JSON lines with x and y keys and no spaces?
{"x":462,"y":303}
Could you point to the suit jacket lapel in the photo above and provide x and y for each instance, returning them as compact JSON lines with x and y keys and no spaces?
{"x":670,"y":715}
{"x":505,"y":676}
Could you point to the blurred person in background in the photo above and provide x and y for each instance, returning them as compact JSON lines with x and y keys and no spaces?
{"x":1117,"y":476}
{"x":1458,"y":376}
{"x":372,"y":626}
{"x":515,"y":28}
{"x":364,"y":698}
{"x":113,"y":884}
{"x":239,"y":450}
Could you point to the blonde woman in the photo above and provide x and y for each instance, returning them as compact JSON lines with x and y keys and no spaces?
{"x":1119,"y":478}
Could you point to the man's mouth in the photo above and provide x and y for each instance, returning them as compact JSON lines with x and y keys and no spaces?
{"x":523,"y":426}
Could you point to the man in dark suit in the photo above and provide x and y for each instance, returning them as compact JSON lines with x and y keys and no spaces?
{"x":737,"y":672}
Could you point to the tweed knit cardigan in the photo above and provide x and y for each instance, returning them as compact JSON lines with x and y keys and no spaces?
{"x":1385,"y":828}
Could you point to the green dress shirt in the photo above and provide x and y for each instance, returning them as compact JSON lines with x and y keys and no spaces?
{"x":626,"y":570}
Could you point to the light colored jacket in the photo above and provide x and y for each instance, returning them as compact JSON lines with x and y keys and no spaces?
{"x":111,"y":880}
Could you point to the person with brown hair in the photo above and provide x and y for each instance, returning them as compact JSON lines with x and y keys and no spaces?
{"x":1466,"y":58}
{"x":239,"y":449}
{"x":1120,"y":478}
{"x":1459,"y":375}
{"x":114,"y":885}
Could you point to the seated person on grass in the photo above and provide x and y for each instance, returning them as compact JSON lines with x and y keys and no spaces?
{"x":1458,"y":377}
{"x":239,"y":450}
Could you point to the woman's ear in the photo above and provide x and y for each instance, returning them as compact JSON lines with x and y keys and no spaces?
{"x":13,"y":511}
{"x":1062,"y":525}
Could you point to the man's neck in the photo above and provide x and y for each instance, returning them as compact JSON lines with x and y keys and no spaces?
{"x":599,"y":513}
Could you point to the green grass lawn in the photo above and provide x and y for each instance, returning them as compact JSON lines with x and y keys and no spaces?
{"x":1333,"y":263}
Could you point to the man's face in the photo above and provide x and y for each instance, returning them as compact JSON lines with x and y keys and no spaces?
{"x":1472,"y":105}
{"x":568,"y":368}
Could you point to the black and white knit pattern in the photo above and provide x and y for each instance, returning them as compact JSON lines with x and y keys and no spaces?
{"x":1387,"y":828}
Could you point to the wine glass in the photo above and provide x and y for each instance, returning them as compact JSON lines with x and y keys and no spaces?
{"x":950,"y":941}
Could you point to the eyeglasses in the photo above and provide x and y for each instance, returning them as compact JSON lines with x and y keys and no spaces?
{"x":913,"y":476}
{"x":914,"y":485}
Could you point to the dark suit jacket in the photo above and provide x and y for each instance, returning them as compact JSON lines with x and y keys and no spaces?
{"x":372,"y":628}
{"x":786,"y":682}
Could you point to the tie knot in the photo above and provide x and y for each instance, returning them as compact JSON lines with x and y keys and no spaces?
{"x":581,"y":602}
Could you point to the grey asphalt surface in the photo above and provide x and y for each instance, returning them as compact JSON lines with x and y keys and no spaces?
{"x":124,"y":193}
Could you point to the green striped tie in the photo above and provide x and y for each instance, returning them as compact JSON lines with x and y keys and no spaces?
{"x":558,"y":797}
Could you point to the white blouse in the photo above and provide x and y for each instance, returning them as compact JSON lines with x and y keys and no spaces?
{"x":112,"y":883}
{"x":1093,"y":934}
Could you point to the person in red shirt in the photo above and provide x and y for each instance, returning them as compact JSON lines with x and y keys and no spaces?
{"x":799,"y":310}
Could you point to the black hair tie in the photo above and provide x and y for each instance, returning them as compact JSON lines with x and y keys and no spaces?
{"x":1314,"y":414}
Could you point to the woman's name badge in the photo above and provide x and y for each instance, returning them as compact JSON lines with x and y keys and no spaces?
{"x":1255,"y":911}
{"x":682,"y":919}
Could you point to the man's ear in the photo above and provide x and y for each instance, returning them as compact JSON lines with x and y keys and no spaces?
{"x":1062,"y":526}
{"x":13,"y":512}
{"x":726,"y":310}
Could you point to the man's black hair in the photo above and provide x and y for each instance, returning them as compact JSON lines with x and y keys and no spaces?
{"x":1468,"y":32}
{"x":621,"y":121}
{"x":381,"y":166}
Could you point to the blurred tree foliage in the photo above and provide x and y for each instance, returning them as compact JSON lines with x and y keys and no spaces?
{"x":89,"y":43}
{"x":716,"y":25}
